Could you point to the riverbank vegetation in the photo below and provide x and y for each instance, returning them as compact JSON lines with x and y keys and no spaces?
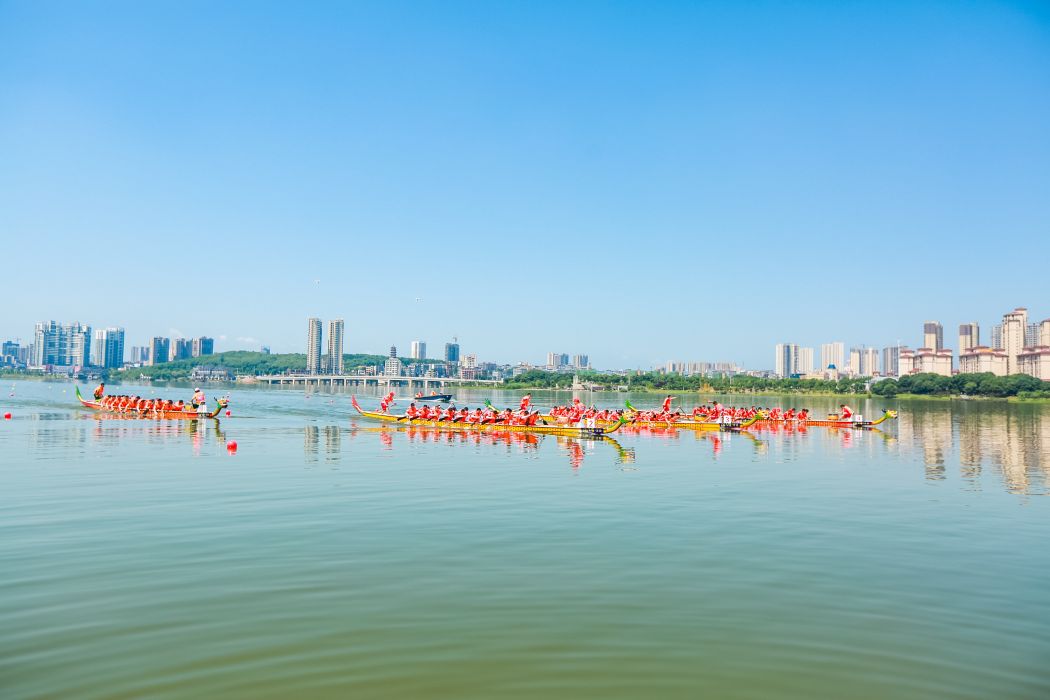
{"x":1021,"y":386}
{"x":658,"y":381}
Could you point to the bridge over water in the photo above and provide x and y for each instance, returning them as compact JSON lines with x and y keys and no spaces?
{"x":366,"y":380}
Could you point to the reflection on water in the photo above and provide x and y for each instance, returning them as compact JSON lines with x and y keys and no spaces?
{"x":333,"y":436}
{"x":1013,"y":441}
{"x":112,"y":431}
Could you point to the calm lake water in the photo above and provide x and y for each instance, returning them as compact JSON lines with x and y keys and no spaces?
{"x":330,"y":557}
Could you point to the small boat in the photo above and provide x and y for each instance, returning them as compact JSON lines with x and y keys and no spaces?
{"x":434,"y":397}
{"x":190,"y":414}
{"x":596,"y":431}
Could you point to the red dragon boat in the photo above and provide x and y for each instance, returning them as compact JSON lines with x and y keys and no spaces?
{"x":189,"y":414}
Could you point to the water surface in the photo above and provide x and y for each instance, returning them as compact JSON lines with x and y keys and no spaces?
{"x":330,"y":557}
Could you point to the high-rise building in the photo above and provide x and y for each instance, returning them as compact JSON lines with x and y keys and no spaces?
{"x":418,"y":351}
{"x":313,"y":345}
{"x":581,"y":362}
{"x":1031,"y":336}
{"x":108,"y":348}
{"x":891,"y":361}
{"x":335,"y":346}
{"x":1044,"y":333}
{"x":833,"y":354}
{"x":969,"y":336}
{"x":804,"y":363}
{"x":869,"y":362}
{"x":1015,"y":326}
{"x":785,"y":359}
{"x":181,"y":349}
{"x":452,"y":351}
{"x":138,"y":355}
{"x":159,"y":350}
{"x":392,"y":367}
{"x":997,"y":336}
{"x":203,"y":346}
{"x":933,"y":335}
{"x":62,"y":345}
{"x":855,"y":367}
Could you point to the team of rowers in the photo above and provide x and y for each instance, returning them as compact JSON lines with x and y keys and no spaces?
{"x":127,"y":404}
{"x":577,"y":411}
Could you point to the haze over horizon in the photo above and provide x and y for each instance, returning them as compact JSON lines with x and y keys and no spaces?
{"x":635,"y":183}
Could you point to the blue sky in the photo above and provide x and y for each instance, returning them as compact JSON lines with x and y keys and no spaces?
{"x":635,"y":181}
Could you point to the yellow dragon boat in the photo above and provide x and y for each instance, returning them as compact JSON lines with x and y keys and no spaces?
{"x":596,"y":431}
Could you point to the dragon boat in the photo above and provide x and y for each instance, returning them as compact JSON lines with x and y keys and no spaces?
{"x":830,"y":422}
{"x":190,"y":414}
{"x":630,"y":420}
{"x":587,"y":431}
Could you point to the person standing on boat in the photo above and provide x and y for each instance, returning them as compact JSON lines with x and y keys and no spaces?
{"x":525,"y":402}
{"x":100,"y":391}
{"x":667,"y":403}
{"x":845,"y":412}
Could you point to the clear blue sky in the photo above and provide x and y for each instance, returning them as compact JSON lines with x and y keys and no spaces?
{"x":635,"y":181}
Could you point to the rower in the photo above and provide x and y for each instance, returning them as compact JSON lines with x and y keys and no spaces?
{"x":412,"y":412}
{"x":100,"y":391}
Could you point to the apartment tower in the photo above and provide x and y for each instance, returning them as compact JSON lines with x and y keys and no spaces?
{"x":933,"y":335}
{"x":313,"y":346}
{"x":969,"y":336}
{"x":335,"y":346}
{"x":1015,"y":327}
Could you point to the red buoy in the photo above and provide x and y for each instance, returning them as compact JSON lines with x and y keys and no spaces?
{"x":7,"y":416}
{"x":227,"y":414}
{"x":231,"y":445}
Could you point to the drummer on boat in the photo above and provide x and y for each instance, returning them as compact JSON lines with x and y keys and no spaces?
{"x":100,"y":391}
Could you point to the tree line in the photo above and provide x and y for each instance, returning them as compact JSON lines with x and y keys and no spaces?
{"x":985,"y":384}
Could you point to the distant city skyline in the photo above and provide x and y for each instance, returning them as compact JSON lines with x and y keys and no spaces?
{"x":1031,"y":327}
